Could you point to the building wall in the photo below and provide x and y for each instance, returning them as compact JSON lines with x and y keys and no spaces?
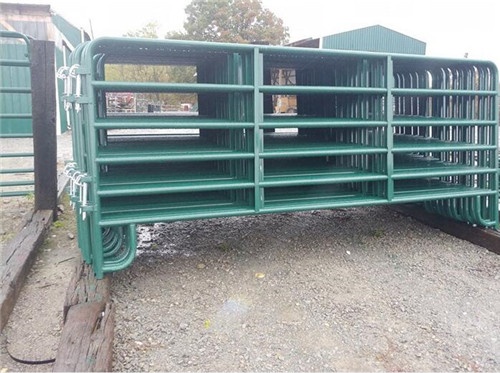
{"x":38,"y":22}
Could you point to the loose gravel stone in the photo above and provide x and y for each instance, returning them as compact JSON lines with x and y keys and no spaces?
{"x":348,"y":289}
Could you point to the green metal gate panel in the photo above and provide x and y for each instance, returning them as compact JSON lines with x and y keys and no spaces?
{"x":16,"y":145}
{"x":370,"y":129}
{"x":15,"y":106}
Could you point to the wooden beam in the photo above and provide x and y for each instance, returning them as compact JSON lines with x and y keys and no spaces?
{"x":87,"y":339}
{"x":43,"y":98}
{"x":86,"y":343}
{"x":487,"y":238}
{"x":85,"y":288}
{"x":17,"y":258}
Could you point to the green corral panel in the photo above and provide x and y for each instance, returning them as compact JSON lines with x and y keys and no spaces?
{"x":14,"y":105}
{"x":370,"y":129}
{"x":16,"y":171}
{"x":374,"y":39}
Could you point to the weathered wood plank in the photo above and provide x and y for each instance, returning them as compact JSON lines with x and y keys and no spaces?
{"x":17,"y":258}
{"x":486,"y":238}
{"x":87,"y":339}
{"x":85,"y":288}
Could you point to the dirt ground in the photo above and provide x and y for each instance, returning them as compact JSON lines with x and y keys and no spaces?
{"x":15,"y":210}
{"x":35,"y":325}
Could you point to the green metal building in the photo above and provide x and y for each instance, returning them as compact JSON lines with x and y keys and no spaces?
{"x":371,"y":39}
{"x":41,"y":23}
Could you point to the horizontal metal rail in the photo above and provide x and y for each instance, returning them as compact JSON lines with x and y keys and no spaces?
{"x":15,"y":90}
{"x":14,"y":155}
{"x":16,"y":183}
{"x":294,"y":90}
{"x":14,"y":63}
{"x":17,"y":170}
{"x":19,"y":193}
{"x":170,"y":87}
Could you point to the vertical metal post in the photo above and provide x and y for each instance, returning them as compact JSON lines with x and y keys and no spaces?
{"x":258,"y":107}
{"x":390,"y":133}
{"x":44,"y":124}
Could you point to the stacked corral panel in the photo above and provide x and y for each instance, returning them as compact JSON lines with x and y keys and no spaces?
{"x":369,"y":129}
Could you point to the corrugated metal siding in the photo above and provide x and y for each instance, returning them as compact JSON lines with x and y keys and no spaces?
{"x":374,"y":39}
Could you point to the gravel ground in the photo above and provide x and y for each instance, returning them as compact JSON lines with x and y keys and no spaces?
{"x":362,"y":289}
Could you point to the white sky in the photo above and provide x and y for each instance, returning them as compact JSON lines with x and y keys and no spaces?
{"x":450,"y":28}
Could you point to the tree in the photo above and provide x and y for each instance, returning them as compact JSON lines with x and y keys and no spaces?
{"x":237,"y":21}
{"x":153,"y":73}
{"x":150,"y":30}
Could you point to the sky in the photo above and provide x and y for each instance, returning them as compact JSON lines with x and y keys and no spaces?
{"x":451,"y":28}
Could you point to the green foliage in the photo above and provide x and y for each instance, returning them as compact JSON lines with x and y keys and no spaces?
{"x":237,"y":21}
{"x":154,"y":73}
{"x":58,"y":224}
{"x":150,"y":31}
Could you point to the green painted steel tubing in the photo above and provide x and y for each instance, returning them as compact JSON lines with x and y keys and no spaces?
{"x":322,"y":180}
{"x":154,"y":158}
{"x":15,"y":63}
{"x":16,"y":183}
{"x":16,"y":193}
{"x":436,"y":146}
{"x":167,"y":123}
{"x":326,"y":150}
{"x":313,"y":89}
{"x":440,"y":92}
{"x":16,"y":135}
{"x":84,"y":239}
{"x":159,"y":216}
{"x":170,"y":87}
{"x":16,"y":170}
{"x":302,"y":122}
{"x":430,"y":173}
{"x":15,"y":35}
{"x":15,"y":116}
{"x":112,"y":242}
{"x":119,"y":262}
{"x":425,"y":121}
{"x":173,"y":188}
{"x":14,"y":155}
{"x":435,"y":195}
{"x":15,"y":90}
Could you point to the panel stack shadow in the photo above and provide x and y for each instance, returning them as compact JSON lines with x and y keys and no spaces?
{"x":269,"y":130}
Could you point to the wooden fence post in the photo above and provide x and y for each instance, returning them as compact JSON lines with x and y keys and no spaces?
{"x":44,"y":124}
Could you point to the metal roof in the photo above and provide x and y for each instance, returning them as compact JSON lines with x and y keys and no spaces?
{"x":374,"y":39}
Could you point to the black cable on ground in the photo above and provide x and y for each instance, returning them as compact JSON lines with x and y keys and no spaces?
{"x":30,"y":362}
